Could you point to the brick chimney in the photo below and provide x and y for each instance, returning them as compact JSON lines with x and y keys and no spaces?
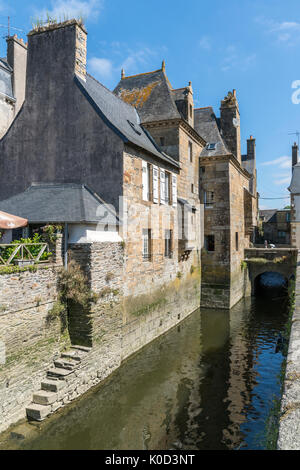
{"x":230,"y":124}
{"x":55,"y":53}
{"x":17,"y":59}
{"x":294,"y":154}
{"x":251,"y":150}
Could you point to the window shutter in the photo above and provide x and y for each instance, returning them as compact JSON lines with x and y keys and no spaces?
{"x":145,"y":181}
{"x":162,"y":186}
{"x":155,"y":184}
{"x":174,"y":190}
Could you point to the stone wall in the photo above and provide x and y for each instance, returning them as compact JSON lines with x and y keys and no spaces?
{"x":289,"y":425}
{"x":30,"y":340}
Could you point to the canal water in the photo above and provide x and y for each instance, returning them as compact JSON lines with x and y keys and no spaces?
{"x":207,"y":384}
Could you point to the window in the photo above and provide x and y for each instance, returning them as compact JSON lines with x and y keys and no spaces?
{"x":191,"y":111}
{"x":190,"y":151}
{"x":208,"y":199}
{"x":147,"y":181}
{"x":211,"y":146}
{"x":281,"y":234}
{"x":146,"y":244}
{"x":192,"y":188}
{"x":236,"y":241}
{"x":166,"y":189}
{"x":133,"y":126}
{"x":168,"y":243}
{"x":209,"y":242}
{"x":288,"y":216}
{"x":202,"y":169}
{"x":174,"y":190}
{"x":162,"y":141}
{"x":155,"y":184}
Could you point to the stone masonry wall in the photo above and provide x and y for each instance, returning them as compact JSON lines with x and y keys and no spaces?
{"x":289,"y":426}
{"x":29,"y":340}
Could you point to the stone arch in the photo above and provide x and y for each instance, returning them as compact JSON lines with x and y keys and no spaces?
{"x":268,"y":280}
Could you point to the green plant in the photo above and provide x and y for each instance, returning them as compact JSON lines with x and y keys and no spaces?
{"x":34,"y":246}
{"x":50,"y":232}
{"x":192,"y":269}
{"x":73,"y":286}
{"x":243,"y":265}
{"x":179,"y":275}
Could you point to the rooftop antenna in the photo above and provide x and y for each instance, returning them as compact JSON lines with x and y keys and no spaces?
{"x":9,"y":27}
{"x":297,"y":133}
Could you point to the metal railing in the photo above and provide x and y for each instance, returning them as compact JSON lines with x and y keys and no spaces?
{"x":21,"y":253}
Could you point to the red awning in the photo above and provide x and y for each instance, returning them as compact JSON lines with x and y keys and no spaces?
{"x":8,"y":221}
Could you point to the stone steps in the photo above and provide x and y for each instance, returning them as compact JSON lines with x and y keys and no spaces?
{"x":58,"y":373}
{"x":48,"y":399}
{"x":52,"y":385}
{"x":66,"y":364}
{"x":37,"y":412}
{"x":44,"y":397}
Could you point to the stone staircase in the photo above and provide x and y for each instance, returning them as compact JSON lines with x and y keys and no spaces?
{"x":56,"y":386}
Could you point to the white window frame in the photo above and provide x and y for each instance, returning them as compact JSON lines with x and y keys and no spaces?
{"x":155,"y":184}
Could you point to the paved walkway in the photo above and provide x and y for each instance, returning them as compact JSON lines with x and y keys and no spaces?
{"x":289,"y":429}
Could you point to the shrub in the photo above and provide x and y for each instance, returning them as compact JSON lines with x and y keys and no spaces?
{"x":7,"y":251}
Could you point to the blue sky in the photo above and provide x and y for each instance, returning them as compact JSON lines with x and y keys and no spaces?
{"x":250,"y":45}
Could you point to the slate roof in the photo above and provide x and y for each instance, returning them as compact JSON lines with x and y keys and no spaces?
{"x":206,"y":124}
{"x":151,"y":93}
{"x":54,"y":203}
{"x":269,"y":215}
{"x":294,"y":187}
{"x":6,"y":79}
{"x":120,"y":116}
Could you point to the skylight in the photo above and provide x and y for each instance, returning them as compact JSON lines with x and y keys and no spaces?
{"x":211,"y":146}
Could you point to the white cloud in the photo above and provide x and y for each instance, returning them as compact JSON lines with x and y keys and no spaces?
{"x":205,"y":43}
{"x":284,"y":180}
{"x":101,"y":67}
{"x":287,"y":32}
{"x":281,"y":162}
{"x":235,"y":59}
{"x":72,"y":8}
{"x":117,"y":55}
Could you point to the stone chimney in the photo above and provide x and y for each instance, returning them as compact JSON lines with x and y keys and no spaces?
{"x":56,"y":52}
{"x":17,"y":59}
{"x":251,"y":150}
{"x":230,"y":124}
{"x":294,"y":154}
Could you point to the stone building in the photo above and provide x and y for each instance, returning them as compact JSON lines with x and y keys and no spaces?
{"x":294,"y":189}
{"x":87,"y":135}
{"x":275,"y":226}
{"x":12,"y":81}
{"x":213,"y":172}
{"x":228,"y":192}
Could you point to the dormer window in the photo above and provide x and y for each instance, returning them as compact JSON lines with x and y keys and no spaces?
{"x":211,"y":146}
{"x":134,"y":127}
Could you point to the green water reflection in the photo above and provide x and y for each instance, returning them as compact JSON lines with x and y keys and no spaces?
{"x":207,"y":384}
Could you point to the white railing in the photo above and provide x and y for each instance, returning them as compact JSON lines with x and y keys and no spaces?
{"x":22,"y":253}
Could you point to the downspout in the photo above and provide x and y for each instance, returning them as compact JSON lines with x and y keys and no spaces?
{"x":66,"y":246}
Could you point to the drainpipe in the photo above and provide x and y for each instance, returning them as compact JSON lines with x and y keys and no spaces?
{"x":66,"y":246}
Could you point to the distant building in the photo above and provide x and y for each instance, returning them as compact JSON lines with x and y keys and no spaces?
{"x":275,"y":226}
{"x":294,"y":189}
{"x":12,"y":81}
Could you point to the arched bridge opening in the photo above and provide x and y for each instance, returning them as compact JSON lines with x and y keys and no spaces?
{"x":271,"y":284}
{"x":271,"y":271}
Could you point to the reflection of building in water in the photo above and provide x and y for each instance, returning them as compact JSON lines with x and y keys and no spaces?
{"x":241,"y":379}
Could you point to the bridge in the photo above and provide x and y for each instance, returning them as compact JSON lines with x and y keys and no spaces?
{"x":276,"y":260}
